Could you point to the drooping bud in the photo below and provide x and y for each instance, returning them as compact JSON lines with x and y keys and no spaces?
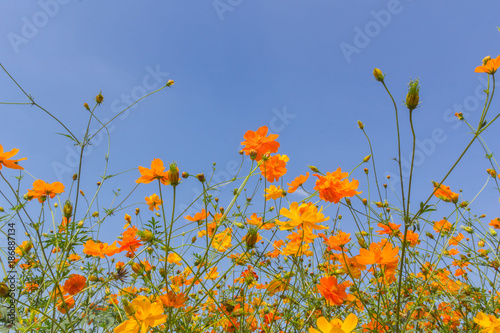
{"x":377,"y":73}
{"x":412,"y":98}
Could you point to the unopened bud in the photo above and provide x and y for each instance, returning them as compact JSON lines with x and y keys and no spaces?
{"x":367,"y":158}
{"x":173,"y":174}
{"x":75,"y":176}
{"x":251,"y":238}
{"x":146,"y":235}
{"x":136,"y":267}
{"x":412,"y":98}
{"x":200,"y":177}
{"x":4,"y":290}
{"x":95,"y":214}
{"x":377,"y":73}
{"x":365,"y":170}
{"x":486,"y":59}
{"x":67,"y":209}
{"x":365,"y":202}
{"x":170,"y":83}
{"x":360,"y":124}
{"x":129,"y":309}
{"x":480,"y":243}
{"x":193,"y":240}
{"x":313,"y":168}
{"x":99,"y":98}
{"x":253,"y":154}
{"x":98,"y":183}
{"x":185,"y":175}
{"x":86,"y":106}
{"x":137,"y":211}
{"x":459,"y":115}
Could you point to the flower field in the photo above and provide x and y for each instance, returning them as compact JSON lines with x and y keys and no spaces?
{"x":251,"y":259}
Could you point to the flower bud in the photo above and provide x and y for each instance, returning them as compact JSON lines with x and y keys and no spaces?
{"x":173,"y":174}
{"x":86,"y":106}
{"x":365,"y":170}
{"x":137,"y":210}
{"x":367,"y":158}
{"x":93,"y":278}
{"x":136,"y":267}
{"x":253,"y":154}
{"x":99,"y":183}
{"x":200,"y":177}
{"x":4,"y":290}
{"x":185,"y":175}
{"x":67,"y":209}
{"x":82,"y":193}
{"x":251,"y":238}
{"x":459,"y":115}
{"x":129,"y":309}
{"x":193,"y":240}
{"x":377,"y":73}
{"x":412,"y":98}
{"x":365,"y":202}
{"x":486,"y":59}
{"x":480,"y":243}
{"x":95,"y":214}
{"x":2,"y":210}
{"x":145,"y":235}
{"x":99,"y":98}
{"x":170,"y":83}
{"x":360,"y":124}
{"x":493,"y":232}
{"x":313,"y":168}
{"x":75,"y":176}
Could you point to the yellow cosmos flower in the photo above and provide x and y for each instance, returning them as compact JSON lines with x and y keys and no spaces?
{"x":489,"y":322}
{"x":306,"y":216}
{"x":274,"y":193}
{"x":336,"y":325}
{"x":145,"y":315}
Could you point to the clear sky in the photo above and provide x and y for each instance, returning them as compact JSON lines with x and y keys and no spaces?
{"x":302,"y":68}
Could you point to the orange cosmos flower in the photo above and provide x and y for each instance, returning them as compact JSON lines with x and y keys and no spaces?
{"x":212,"y":274}
{"x":381,"y":253}
{"x":30,"y":287}
{"x":495,"y":223}
{"x":11,"y":164}
{"x":157,"y":171}
{"x":67,"y":303}
{"x":455,"y":240}
{"x":411,"y":238}
{"x":173,"y":300}
{"x":297,"y":182}
{"x":42,"y":189}
{"x":390,"y":229}
{"x":198,"y":216}
{"x":444,"y":193}
{"x":274,"y":167}
{"x":333,"y":292}
{"x":130,"y":242}
{"x":74,"y":284}
{"x":489,"y":67}
{"x":143,"y":315}
{"x":154,"y":202}
{"x":99,"y":249}
{"x":333,"y":187}
{"x":260,"y":143}
{"x":339,"y":241}
{"x":442,"y":225}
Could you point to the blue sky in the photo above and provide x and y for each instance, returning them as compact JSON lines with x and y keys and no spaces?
{"x":302,"y":68}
